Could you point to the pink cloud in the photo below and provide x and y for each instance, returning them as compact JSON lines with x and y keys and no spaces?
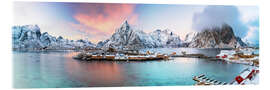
{"x":103,"y":19}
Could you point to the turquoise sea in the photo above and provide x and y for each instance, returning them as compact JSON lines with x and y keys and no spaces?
{"x":57,"y":69}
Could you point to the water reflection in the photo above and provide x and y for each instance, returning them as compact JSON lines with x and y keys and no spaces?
{"x":95,"y":73}
{"x":58,"y":69}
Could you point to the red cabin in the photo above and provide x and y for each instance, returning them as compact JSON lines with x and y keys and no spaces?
{"x":250,"y":75}
{"x":239,"y":79}
{"x":257,"y":71}
{"x":225,"y":56}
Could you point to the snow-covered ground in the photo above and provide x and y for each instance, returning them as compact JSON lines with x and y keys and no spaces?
{"x":244,"y":74}
{"x":231,"y":56}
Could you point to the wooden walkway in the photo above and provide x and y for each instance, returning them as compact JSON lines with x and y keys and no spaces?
{"x":203,"y":80}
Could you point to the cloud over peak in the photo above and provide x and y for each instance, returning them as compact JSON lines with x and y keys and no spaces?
{"x":216,"y":16}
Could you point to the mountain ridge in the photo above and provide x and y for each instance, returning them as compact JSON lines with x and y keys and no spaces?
{"x":126,"y":37}
{"x":30,"y":37}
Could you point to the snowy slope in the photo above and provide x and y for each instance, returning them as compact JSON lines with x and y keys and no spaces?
{"x":127,"y":37}
{"x":190,"y":37}
{"x":166,"y":38}
{"x":30,"y":37}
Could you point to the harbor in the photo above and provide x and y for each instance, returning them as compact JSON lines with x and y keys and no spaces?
{"x":241,"y":56}
{"x":113,"y":55}
{"x":245,"y":56}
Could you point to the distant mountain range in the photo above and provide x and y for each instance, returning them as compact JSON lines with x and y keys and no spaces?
{"x":126,"y":37}
{"x":30,"y":37}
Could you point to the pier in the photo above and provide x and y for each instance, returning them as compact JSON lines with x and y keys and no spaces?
{"x":203,"y":80}
{"x":247,"y":76}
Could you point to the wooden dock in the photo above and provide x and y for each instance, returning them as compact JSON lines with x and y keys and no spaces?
{"x":203,"y":80}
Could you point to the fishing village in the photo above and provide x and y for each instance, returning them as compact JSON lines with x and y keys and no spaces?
{"x":244,"y":56}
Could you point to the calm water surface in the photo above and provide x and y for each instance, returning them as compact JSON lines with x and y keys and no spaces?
{"x":57,"y":69}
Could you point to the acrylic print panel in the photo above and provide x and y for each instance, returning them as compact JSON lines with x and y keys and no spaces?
{"x":59,"y":45}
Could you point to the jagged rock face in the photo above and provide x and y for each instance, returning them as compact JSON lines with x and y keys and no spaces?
{"x":102,"y":43}
{"x":126,"y":37}
{"x":216,"y":38}
{"x":166,"y":38}
{"x":190,"y":37}
{"x":122,"y":35}
{"x":46,"y":39}
{"x":241,"y":43}
{"x":26,"y":36}
{"x":29,"y":32}
{"x":30,"y":37}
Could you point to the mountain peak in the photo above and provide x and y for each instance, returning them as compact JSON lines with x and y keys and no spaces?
{"x":167,"y":30}
{"x":32,"y":27}
{"x":216,"y":37}
{"x":125,"y":27}
{"x":125,"y":24}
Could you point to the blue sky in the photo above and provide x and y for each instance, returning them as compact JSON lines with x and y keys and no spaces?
{"x":97,"y":21}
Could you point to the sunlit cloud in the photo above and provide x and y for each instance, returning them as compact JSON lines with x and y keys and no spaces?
{"x":98,"y":21}
{"x":103,"y":19}
{"x":248,"y":13}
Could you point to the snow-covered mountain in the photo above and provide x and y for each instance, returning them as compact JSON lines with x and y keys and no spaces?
{"x":250,"y":44}
{"x":127,"y":37}
{"x":30,"y":37}
{"x":216,"y":37}
{"x":190,"y":37}
{"x":166,"y":38}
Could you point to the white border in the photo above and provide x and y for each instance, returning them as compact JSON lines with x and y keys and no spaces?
{"x":6,"y":54}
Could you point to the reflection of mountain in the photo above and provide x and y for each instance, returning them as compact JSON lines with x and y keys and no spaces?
{"x":127,"y":37}
{"x":95,"y":73}
{"x":214,"y":38}
{"x":30,"y":37}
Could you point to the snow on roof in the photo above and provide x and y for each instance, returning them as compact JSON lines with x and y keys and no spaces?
{"x":245,"y":74}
